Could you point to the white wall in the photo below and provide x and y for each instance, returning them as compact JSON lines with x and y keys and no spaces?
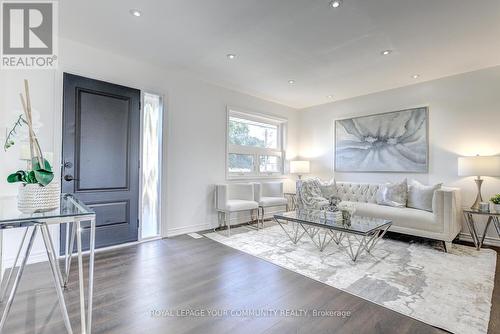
{"x":464,"y":119}
{"x":194,"y":129}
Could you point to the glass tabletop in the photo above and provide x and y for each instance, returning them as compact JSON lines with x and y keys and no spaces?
{"x":69,"y":206}
{"x":485,"y":213}
{"x":333,"y":220}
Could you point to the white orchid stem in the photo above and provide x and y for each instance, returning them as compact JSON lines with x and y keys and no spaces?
{"x":34,"y":145}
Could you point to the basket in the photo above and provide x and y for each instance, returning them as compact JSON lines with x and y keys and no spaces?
{"x":34,"y":198}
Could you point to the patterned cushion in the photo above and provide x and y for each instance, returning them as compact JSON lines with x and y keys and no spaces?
{"x":393,"y":194}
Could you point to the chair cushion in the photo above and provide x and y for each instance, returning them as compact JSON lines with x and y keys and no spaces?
{"x":272,"y":201}
{"x":240,"y":205}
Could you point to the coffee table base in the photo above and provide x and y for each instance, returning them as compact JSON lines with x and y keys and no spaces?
{"x":322,"y":237}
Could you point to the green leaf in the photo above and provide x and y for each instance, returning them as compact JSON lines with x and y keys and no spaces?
{"x":41,"y":174}
{"x":43,"y":177}
{"x":46,"y":165}
{"x":16,"y":177}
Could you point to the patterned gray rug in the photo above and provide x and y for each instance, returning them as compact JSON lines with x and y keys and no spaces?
{"x":451,"y":290}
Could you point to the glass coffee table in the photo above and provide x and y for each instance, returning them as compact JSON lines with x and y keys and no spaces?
{"x":361,"y":234}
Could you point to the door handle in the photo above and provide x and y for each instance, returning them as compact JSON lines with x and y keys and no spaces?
{"x":70,"y":178}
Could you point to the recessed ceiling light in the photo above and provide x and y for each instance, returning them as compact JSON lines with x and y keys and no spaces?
{"x":231,"y":56}
{"x":135,"y":12}
{"x":386,"y":52}
{"x":291,"y":82}
{"x":330,"y":96}
{"x":415,"y":76}
{"x":335,"y":3}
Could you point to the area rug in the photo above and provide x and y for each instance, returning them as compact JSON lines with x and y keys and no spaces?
{"x":451,"y":291}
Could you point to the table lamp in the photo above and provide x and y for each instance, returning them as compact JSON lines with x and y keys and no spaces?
{"x":479,"y":166}
{"x":300,"y":167}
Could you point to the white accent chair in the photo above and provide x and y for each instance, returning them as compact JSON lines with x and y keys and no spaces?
{"x":268,"y":195}
{"x":232,"y":198}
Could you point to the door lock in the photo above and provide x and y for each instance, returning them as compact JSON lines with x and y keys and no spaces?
{"x":70,"y":178}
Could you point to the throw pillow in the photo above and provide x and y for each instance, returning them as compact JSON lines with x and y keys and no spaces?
{"x":328,"y":188}
{"x":393,"y":194}
{"x":421,"y":196}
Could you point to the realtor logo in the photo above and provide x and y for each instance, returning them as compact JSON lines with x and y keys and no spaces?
{"x":29,"y":38}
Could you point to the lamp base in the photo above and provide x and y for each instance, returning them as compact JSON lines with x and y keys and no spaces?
{"x":479,"y":197}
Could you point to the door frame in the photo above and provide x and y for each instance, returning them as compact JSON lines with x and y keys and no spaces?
{"x":58,"y":83}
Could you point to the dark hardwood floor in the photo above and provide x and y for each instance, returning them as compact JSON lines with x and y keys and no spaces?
{"x":183,"y":273}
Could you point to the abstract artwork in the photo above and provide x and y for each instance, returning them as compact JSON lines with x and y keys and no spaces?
{"x":390,"y":142}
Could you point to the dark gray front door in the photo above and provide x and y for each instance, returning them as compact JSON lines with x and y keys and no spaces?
{"x":101,"y":126}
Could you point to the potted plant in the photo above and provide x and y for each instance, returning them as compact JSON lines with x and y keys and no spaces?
{"x":496,"y":201}
{"x":37,"y":191}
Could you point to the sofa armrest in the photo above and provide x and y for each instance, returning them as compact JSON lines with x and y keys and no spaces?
{"x":446,"y":205}
{"x":220,"y":197}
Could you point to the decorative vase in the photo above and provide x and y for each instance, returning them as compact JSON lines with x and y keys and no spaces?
{"x":496,"y":207}
{"x":36,"y":198}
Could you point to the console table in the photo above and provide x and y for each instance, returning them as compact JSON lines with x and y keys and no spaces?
{"x":471,"y":224}
{"x":72,"y":212}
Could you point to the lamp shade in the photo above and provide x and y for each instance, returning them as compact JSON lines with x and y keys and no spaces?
{"x":479,"y":166}
{"x":299,"y":167}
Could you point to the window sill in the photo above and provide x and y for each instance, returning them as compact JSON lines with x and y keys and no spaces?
{"x":256,"y":177}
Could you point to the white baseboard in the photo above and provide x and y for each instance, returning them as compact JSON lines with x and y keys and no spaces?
{"x":487,"y":240}
{"x":34,"y":257}
{"x":172,"y":232}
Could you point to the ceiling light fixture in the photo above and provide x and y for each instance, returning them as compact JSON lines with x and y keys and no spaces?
{"x":291,"y":82}
{"x":330,"y":96}
{"x":335,"y":3}
{"x":231,"y":56}
{"x":415,"y":76}
{"x":386,"y":52}
{"x":135,"y":12}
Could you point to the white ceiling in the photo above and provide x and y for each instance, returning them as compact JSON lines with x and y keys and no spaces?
{"x":326,"y":51}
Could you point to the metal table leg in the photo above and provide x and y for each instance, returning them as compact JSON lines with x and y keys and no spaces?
{"x":496,"y":222}
{"x":56,"y":274}
{"x":296,"y":237}
{"x":17,"y":279}
{"x":322,"y":242}
{"x":472,"y":230}
{"x":80,"y":276}
{"x":51,"y":246}
{"x":9,"y":277}
{"x":91,"y":274}
{"x":69,"y":250}
{"x":485,"y":231}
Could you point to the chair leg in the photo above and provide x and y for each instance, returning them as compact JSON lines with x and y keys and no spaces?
{"x":262,"y":217}
{"x":227,"y":222}
{"x":257,"y":217}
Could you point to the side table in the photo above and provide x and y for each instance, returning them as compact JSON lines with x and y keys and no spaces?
{"x":71,"y":211}
{"x":292,"y":201}
{"x":493,"y":216}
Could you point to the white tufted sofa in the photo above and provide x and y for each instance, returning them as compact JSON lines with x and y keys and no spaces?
{"x":441,"y":224}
